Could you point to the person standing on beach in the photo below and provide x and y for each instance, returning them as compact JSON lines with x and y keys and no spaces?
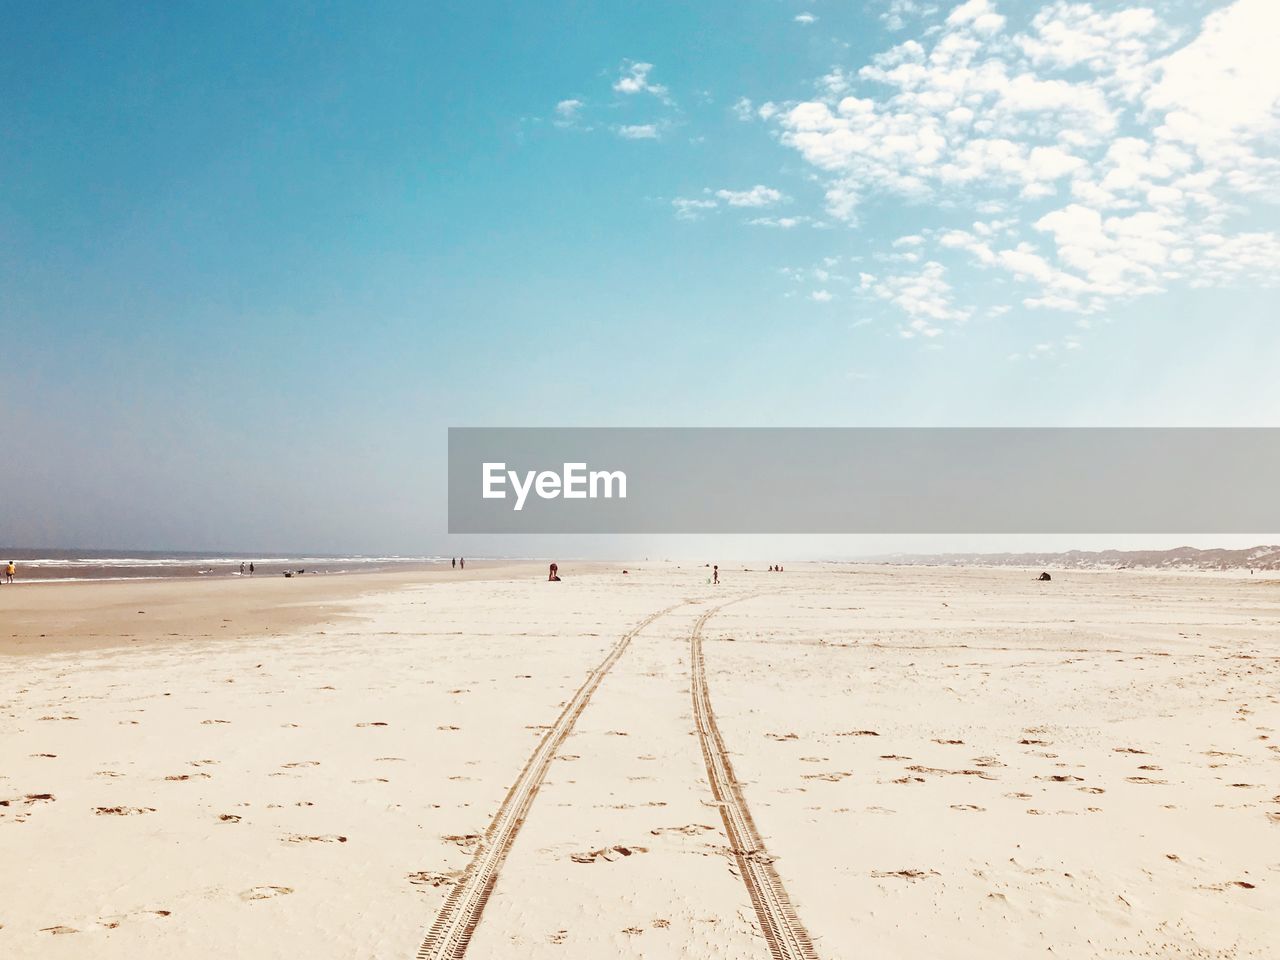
{"x":454,"y":563}
{"x":462,"y":563}
{"x":251,"y":568}
{"x":715,"y":574}
{"x":242,"y":568}
{"x":9,"y":571}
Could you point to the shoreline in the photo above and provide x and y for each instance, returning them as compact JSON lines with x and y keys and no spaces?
{"x":83,"y":615}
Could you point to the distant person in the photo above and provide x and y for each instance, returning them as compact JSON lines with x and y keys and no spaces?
{"x":242,"y":568}
{"x":462,"y":563}
{"x":251,"y":569}
{"x":9,"y":571}
{"x":715,"y":573}
{"x":553,"y":575}
{"x":453,"y":564}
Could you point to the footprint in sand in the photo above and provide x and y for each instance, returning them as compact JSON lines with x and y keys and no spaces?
{"x":372,"y":723}
{"x":229,"y":817}
{"x":968,"y":806}
{"x":608,"y":854}
{"x":689,"y":829}
{"x":112,"y":922}
{"x":316,"y":838}
{"x":433,"y":878}
{"x":1145,"y":780}
{"x":910,"y":874}
{"x":466,"y":842}
{"x":59,"y":930}
{"x":214,"y":721}
{"x":265,"y":892}
{"x":122,"y":811}
{"x":301,"y":763}
{"x":188,"y":776}
{"x":829,"y":777}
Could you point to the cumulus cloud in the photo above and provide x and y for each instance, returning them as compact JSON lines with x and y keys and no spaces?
{"x":692,"y":208}
{"x":757,"y":196}
{"x":568,"y":112}
{"x":1127,"y":150}
{"x":634,"y":78}
{"x":805,"y":18}
{"x":638,"y":131}
{"x":924,"y":298}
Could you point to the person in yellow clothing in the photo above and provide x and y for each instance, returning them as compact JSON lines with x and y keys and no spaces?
{"x":9,"y":571}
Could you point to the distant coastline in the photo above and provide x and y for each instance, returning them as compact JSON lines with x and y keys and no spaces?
{"x":49,"y":565}
{"x":1263,"y":557}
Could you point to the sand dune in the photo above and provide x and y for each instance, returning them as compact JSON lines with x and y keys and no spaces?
{"x":937,"y":763}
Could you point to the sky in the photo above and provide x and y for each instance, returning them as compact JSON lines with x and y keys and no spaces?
{"x":256,"y":258}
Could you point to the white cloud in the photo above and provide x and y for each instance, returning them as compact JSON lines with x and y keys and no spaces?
{"x":805,"y":18}
{"x":743,"y":110}
{"x":757,"y":196}
{"x":783,"y":223}
{"x":568,"y":112}
{"x":634,"y":78}
{"x":1220,"y":119}
{"x":820,"y":296}
{"x":898,"y":12}
{"x":1125,"y":165}
{"x":691,"y":208}
{"x":979,"y":15}
{"x":638,"y":131}
{"x":924,"y":298}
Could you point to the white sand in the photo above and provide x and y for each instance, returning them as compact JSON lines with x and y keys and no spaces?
{"x":1068,"y":845}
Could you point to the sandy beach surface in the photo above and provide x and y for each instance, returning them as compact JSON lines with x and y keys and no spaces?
{"x":839,"y":761}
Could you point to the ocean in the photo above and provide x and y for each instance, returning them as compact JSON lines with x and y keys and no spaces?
{"x":52,"y":566}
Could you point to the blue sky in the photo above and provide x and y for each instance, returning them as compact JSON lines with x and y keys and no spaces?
{"x":254,"y":259}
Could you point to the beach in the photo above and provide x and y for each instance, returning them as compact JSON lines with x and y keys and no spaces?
{"x":838,"y":761}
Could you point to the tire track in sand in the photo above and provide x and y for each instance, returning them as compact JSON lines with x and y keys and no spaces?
{"x":781,"y":926}
{"x":451,"y":933}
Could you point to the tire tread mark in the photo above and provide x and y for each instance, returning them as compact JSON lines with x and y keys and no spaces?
{"x":779,"y":922}
{"x":449,"y":936}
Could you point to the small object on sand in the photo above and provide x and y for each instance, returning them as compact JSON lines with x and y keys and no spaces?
{"x":288,"y":573}
{"x":1044,"y":576}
